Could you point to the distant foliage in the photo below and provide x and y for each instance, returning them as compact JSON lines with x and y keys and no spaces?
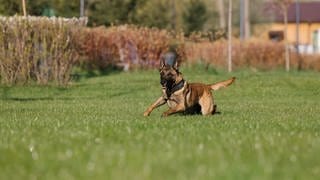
{"x":45,"y":50}
{"x":126,"y":46}
{"x":206,"y":52}
{"x":254,"y":54}
{"x":306,"y":61}
{"x":40,"y":7}
{"x":132,"y":47}
{"x":195,"y":16}
{"x":37,"y":49}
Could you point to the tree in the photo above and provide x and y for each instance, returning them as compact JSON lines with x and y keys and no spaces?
{"x":173,"y":15}
{"x":155,"y":14}
{"x":284,"y":5}
{"x":195,"y":16}
{"x":38,"y":7}
{"x":107,"y":12}
{"x":222,"y":16}
{"x":10,"y":8}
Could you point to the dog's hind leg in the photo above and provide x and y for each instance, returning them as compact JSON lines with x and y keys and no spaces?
{"x":214,"y":111}
{"x":206,"y":104}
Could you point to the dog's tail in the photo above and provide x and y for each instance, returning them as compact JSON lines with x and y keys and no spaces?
{"x":221,"y":84}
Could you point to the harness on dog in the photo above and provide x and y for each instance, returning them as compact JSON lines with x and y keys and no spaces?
{"x":174,"y":88}
{"x":178,"y":86}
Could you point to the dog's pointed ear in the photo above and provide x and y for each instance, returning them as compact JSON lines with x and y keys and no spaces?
{"x":162,"y":63}
{"x":175,"y":65}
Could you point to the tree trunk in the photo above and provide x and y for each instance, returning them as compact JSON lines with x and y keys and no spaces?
{"x":173,"y":15}
{"x":230,"y":36}
{"x":24,"y":8}
{"x":222,"y":16}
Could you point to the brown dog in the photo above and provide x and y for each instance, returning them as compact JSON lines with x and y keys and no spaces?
{"x":182,"y":96}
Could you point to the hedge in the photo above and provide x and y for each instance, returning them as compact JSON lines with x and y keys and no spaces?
{"x":38,"y":49}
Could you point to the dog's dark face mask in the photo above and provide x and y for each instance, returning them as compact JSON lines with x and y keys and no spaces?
{"x":168,"y":70}
{"x":168,"y":76}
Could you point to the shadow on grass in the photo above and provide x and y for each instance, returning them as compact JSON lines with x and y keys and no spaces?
{"x":28,"y":99}
{"x":7,"y":96}
{"x":81,"y":73}
{"x":121,"y":93}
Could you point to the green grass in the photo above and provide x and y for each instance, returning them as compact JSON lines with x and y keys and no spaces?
{"x":269,"y":128}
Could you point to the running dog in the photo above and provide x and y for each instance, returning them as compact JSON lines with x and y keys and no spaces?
{"x":181,"y":96}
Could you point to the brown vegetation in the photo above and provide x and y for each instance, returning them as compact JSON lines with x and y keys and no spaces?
{"x":125,"y":46}
{"x":136,"y":47}
{"x":46,"y":49}
{"x":254,"y":54}
{"x":37,"y":49}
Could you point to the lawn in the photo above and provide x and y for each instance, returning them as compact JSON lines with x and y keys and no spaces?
{"x":268,"y":128}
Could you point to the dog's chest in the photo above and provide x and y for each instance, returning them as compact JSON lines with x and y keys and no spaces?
{"x":176,"y":98}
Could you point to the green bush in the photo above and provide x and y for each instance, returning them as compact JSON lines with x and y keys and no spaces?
{"x":38,"y":49}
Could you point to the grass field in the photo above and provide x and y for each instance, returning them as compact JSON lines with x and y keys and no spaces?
{"x":269,"y":128}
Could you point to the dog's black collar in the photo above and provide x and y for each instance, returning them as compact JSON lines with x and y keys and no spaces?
{"x":174,"y":88}
{"x":178,"y":86}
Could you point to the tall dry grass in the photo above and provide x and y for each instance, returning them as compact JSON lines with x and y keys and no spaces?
{"x":38,"y":49}
{"x":138,"y":47}
{"x":255,"y":54}
{"x":126,"y":46}
{"x":46,"y":49}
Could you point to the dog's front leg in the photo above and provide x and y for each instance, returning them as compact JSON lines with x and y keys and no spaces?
{"x":161,"y":101}
{"x":178,"y":108}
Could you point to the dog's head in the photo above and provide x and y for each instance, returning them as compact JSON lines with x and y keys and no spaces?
{"x":169,"y":73}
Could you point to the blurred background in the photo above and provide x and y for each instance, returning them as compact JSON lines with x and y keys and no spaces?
{"x":186,"y":15}
{"x":130,"y":34}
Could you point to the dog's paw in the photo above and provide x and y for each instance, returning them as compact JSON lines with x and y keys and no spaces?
{"x":145,"y":114}
{"x":164,"y":114}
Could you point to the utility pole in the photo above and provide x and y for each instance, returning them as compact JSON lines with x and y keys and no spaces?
{"x":297,"y":23}
{"x":81,"y":8}
{"x":298,"y":34}
{"x":24,"y":8}
{"x":246,"y":19}
{"x":230,"y":36}
{"x":241,"y":20}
